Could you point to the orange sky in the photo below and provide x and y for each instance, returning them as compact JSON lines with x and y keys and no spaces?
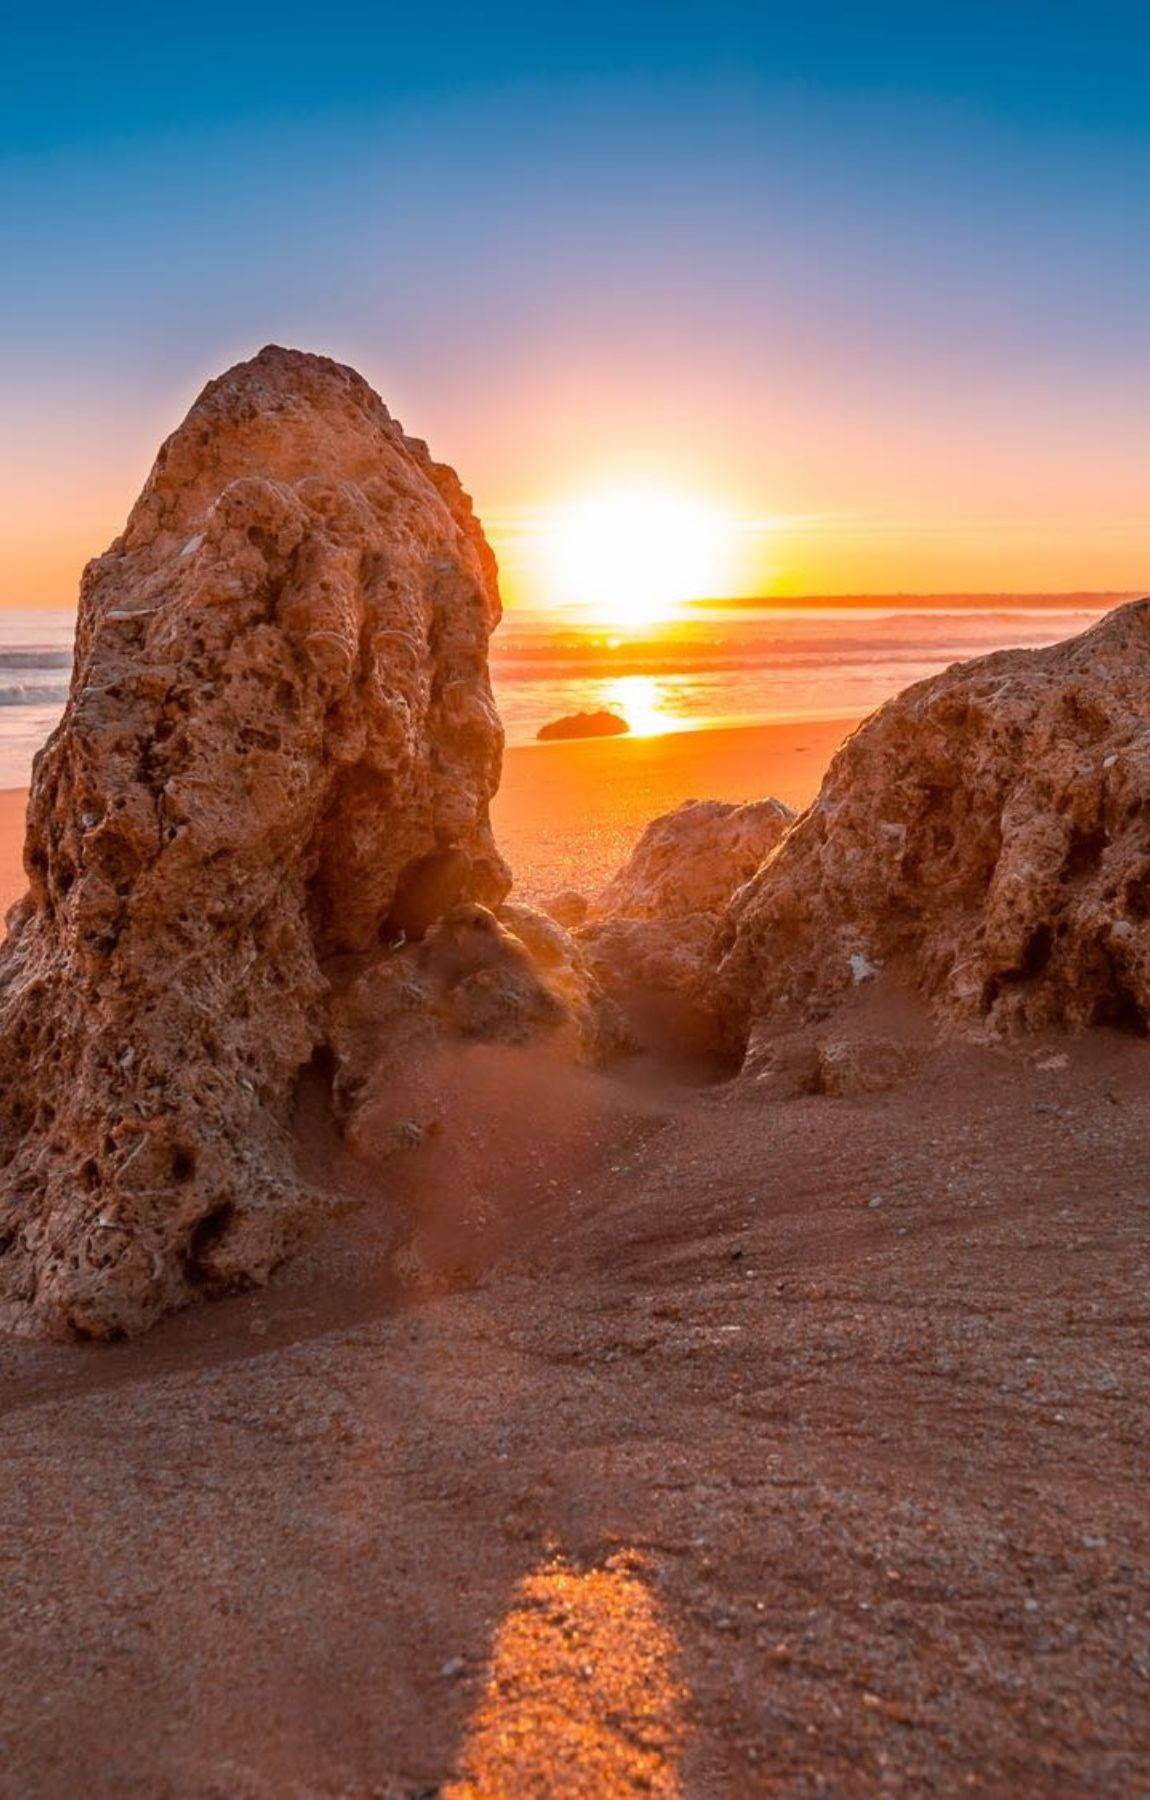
{"x":875,"y":293}
{"x":814,"y":499}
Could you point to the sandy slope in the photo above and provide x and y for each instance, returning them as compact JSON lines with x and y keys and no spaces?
{"x":674,"y":1463}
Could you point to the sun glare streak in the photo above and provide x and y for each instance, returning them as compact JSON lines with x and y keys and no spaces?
{"x":631,"y":556}
{"x":582,"y":1697}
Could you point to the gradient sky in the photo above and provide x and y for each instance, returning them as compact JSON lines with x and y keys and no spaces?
{"x":875,"y":279}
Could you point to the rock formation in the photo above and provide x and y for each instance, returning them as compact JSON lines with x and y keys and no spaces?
{"x":649,"y":934}
{"x":983,"y":839}
{"x":691,"y":860}
{"x":567,"y":907}
{"x":274,"y":767}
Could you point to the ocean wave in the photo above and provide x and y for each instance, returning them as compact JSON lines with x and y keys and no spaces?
{"x":32,"y":693}
{"x":35,"y":656}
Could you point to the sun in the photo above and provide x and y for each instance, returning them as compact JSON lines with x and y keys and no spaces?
{"x":631,"y":555}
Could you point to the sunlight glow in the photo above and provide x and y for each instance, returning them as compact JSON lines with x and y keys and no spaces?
{"x":583,"y":1696}
{"x":640,"y":700}
{"x":631,"y":556}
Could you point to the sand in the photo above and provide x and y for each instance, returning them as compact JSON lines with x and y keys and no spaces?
{"x":567,"y":814}
{"x":722,"y":1446}
{"x":12,"y":883}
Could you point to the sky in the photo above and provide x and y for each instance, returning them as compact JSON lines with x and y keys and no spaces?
{"x":871,"y":282}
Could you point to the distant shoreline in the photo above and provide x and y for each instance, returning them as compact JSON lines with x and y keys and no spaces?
{"x":1041,"y":601}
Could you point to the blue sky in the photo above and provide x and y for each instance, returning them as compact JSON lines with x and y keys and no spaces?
{"x":87,"y":74}
{"x":885,"y":264}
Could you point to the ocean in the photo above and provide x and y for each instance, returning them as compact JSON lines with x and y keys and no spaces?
{"x":745,"y":664}
{"x":715,"y":665}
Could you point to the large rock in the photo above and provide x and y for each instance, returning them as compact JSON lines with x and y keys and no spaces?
{"x":983,"y":841}
{"x":649,"y":933}
{"x":274,"y":767}
{"x":691,"y":860}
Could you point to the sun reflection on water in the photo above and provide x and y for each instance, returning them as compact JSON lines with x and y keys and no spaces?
{"x":642,"y":701}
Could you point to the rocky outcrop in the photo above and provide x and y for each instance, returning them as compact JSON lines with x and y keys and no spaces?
{"x":982,"y":841}
{"x":648,"y":934}
{"x":274,"y":770}
{"x":691,"y":860}
{"x":596,"y":1030}
{"x":567,"y":907}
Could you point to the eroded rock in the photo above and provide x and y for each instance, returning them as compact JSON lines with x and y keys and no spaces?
{"x":984,"y":839}
{"x":691,"y":860}
{"x":567,"y":907}
{"x":276,"y":761}
{"x":649,"y":933}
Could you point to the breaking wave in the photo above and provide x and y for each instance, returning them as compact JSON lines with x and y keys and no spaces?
{"x":34,"y":693}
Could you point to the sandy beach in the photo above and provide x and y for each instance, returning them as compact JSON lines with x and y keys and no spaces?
{"x":12,"y":883}
{"x":568,"y":814}
{"x":636,"y":1284}
{"x":722,"y":1446}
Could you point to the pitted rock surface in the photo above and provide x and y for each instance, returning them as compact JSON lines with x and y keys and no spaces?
{"x":691,"y":860}
{"x":275,"y":762}
{"x":984,"y":838}
{"x":648,"y":934}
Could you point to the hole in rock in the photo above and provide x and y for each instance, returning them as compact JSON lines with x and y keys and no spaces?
{"x":1137,"y":900}
{"x":313,"y":1103}
{"x":205,"y":1236}
{"x":1118,"y":1009}
{"x":1084,"y":852}
{"x":1035,"y":956}
{"x":1037,"y":953}
{"x":183,"y":1165}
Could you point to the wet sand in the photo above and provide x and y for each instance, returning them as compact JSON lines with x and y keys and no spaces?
{"x":720,"y":1446}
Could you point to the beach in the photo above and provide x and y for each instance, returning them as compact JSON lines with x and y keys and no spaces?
{"x":567,"y":814}
{"x":12,"y":883}
{"x":719,"y":1444}
{"x":575,"y":903}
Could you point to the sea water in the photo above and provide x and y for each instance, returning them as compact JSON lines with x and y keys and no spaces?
{"x":746,"y":665}
{"x":35,"y":667}
{"x":713,"y":665}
